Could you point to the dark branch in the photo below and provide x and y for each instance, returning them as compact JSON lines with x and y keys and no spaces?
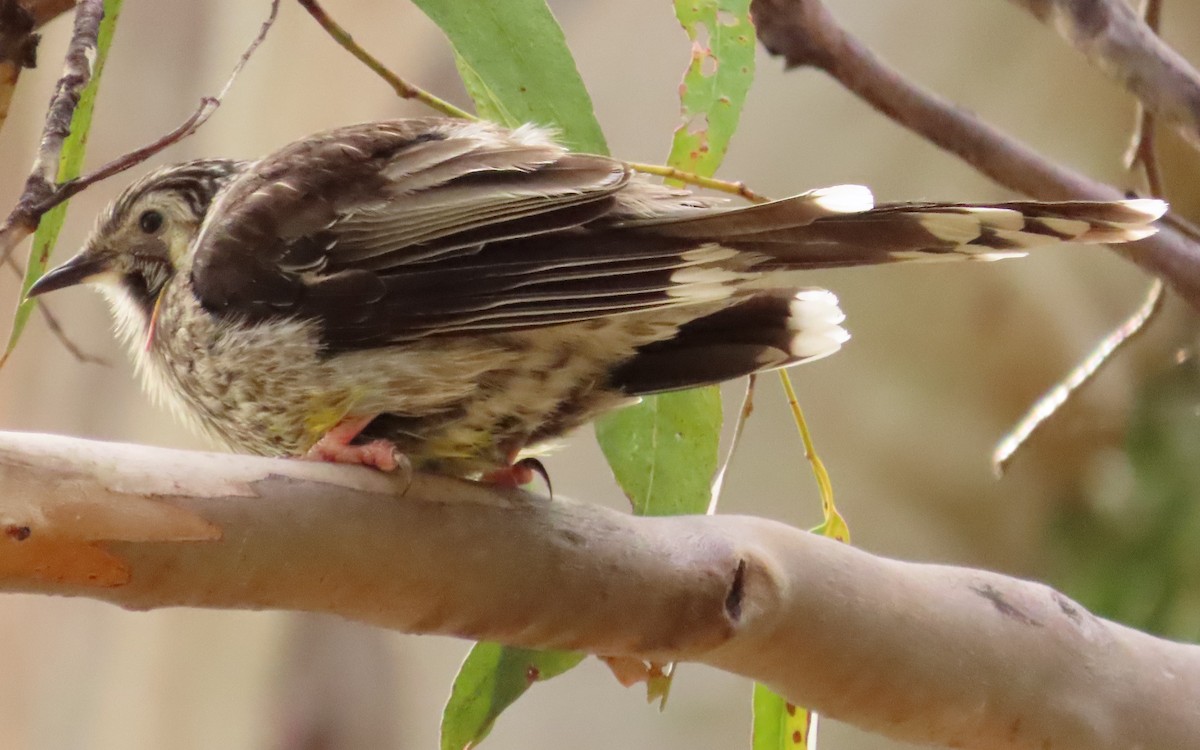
{"x":804,"y":33}
{"x":1115,"y":39}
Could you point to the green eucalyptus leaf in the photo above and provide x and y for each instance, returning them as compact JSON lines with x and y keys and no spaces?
{"x":490,"y":679}
{"x":516,"y":50}
{"x":664,"y":450}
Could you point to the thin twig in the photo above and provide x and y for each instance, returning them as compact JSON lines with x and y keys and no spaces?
{"x":40,"y":196}
{"x":712,"y":183}
{"x":208,"y":105}
{"x":804,"y":33}
{"x":834,"y":526}
{"x":1083,"y":373}
{"x":403,"y":88}
{"x":407,"y":90}
{"x":24,"y":218}
{"x":747,"y":408}
{"x":1141,"y":153}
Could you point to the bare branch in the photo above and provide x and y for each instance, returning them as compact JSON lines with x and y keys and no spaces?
{"x":804,"y":33}
{"x":1141,"y":154}
{"x":1141,"y":151}
{"x":1083,"y":373}
{"x":39,"y":186}
{"x":1114,"y":38}
{"x":403,"y":88}
{"x":896,"y":647}
{"x":41,"y":194}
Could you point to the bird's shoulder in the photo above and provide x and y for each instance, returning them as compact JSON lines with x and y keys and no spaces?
{"x":340,"y":208}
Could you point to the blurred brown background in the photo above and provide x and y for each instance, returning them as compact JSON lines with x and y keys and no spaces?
{"x":944,"y":359}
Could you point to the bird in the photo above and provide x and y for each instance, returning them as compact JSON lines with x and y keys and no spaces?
{"x":457,"y":294}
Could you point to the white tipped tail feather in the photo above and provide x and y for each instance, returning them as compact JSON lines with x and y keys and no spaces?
{"x":749,"y":257}
{"x":815,"y":317}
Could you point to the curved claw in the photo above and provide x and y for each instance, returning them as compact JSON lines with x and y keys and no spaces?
{"x":519,"y":473}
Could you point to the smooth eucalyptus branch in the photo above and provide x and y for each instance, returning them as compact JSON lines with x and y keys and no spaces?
{"x":1119,"y":42}
{"x":925,"y":653}
{"x":805,"y":34}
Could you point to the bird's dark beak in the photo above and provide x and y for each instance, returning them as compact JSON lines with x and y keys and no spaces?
{"x":75,"y":271}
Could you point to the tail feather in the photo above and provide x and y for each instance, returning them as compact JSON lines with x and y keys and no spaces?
{"x":839,"y":226}
{"x":773,"y":329}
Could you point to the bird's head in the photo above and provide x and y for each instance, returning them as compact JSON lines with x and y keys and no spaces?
{"x":142,"y":239}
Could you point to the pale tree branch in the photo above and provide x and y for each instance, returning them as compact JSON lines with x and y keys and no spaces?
{"x":804,"y":33}
{"x":926,"y":653}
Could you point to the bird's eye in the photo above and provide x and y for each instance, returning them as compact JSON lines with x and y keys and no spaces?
{"x":150,"y":221}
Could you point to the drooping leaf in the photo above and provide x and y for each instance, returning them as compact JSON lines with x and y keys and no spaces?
{"x":664,"y":450}
{"x":490,"y":679}
{"x":517,"y":51}
{"x":70,"y":164}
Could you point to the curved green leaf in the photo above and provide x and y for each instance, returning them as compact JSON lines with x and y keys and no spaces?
{"x":517,"y":51}
{"x":490,"y":679}
{"x":663,"y":451}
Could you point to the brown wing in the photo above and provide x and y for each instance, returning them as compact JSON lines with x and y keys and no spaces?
{"x":392,"y":231}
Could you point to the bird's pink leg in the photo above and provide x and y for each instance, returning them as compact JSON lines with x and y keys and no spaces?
{"x":336,"y":447}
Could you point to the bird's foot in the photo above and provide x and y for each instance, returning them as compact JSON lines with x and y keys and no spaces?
{"x":519,"y":473}
{"x":337,"y":447}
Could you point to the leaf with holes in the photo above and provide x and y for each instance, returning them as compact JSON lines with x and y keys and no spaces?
{"x":715,"y":84}
{"x":70,"y":163}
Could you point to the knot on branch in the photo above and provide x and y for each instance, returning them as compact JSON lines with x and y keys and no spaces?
{"x":791,"y":29}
